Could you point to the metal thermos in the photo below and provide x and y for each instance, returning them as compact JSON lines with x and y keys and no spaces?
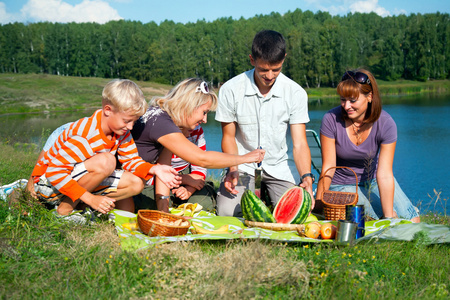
{"x":355,"y":214}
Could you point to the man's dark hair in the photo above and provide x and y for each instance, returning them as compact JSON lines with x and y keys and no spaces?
{"x":270,"y":46}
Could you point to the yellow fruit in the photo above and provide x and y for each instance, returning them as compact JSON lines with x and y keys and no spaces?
{"x":328,"y":231}
{"x":188,"y":209}
{"x":312,"y":230}
{"x":311,"y":218}
{"x":200,"y":230}
{"x":130,"y":226}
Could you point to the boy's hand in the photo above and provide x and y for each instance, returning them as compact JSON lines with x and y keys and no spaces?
{"x":30,"y":188}
{"x":99,"y":203}
{"x":168,"y":175}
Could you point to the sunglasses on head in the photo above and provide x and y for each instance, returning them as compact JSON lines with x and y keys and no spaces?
{"x":359,"y":77}
{"x":203,"y":87}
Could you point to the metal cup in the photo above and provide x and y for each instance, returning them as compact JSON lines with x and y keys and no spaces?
{"x":355,"y":214}
{"x":346,"y":232}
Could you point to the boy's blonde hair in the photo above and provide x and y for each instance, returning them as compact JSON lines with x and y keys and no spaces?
{"x":124,"y":96}
{"x":183,"y":99}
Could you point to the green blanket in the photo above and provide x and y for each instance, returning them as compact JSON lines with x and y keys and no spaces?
{"x":400,"y":230}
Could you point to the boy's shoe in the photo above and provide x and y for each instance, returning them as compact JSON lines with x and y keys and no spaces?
{"x":80,"y":217}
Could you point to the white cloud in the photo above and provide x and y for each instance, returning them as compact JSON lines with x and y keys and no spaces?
{"x":339,"y":7}
{"x":400,"y":12}
{"x":367,"y":6}
{"x":6,"y":17}
{"x":97,"y":11}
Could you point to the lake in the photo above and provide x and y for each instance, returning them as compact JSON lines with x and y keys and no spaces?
{"x":421,"y":163}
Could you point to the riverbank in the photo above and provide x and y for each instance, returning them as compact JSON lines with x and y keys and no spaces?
{"x":28,"y":93}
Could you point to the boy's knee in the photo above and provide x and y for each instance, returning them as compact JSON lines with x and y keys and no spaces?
{"x":139,"y":185}
{"x":104,"y":163}
{"x":136,"y":184}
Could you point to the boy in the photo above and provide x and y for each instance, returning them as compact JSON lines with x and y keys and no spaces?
{"x":81,"y":164}
{"x":257,"y":109}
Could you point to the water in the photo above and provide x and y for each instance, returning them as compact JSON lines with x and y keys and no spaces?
{"x":421,"y":163}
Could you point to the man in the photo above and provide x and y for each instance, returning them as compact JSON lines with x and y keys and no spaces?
{"x":256,"y":109}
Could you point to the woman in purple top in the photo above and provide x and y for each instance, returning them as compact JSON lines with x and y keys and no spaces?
{"x":360,"y":135}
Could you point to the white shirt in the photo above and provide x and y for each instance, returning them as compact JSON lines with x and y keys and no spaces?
{"x":264,"y":121}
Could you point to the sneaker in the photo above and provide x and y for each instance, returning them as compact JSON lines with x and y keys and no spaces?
{"x":77,"y":217}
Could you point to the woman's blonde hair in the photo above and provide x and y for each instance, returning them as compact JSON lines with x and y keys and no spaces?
{"x":124,"y":96}
{"x":183,"y":99}
{"x":350,"y":88}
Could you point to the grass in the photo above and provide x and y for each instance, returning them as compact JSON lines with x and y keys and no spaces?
{"x":15,"y":164}
{"x":388,"y":88}
{"x":44,"y":257}
{"x":21,"y":93}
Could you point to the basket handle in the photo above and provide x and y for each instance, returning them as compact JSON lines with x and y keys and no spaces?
{"x":356,"y":176}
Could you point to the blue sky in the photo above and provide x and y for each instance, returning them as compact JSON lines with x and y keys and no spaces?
{"x":102,"y":11}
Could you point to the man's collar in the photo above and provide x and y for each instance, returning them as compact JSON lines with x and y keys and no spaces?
{"x":252,"y":88}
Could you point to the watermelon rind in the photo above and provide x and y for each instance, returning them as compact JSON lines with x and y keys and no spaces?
{"x":253,"y":209}
{"x":301,"y":215}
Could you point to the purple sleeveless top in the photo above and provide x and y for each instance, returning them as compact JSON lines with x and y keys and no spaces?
{"x":363,"y":159}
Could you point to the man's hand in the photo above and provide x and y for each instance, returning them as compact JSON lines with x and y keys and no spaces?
{"x":230,"y":182}
{"x":307,"y":185}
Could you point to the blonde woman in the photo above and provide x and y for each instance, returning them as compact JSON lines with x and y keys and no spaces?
{"x":159,"y":133}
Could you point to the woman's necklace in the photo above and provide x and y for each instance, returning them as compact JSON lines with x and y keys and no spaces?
{"x":356,"y":130}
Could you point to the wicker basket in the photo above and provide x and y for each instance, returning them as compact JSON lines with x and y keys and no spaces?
{"x":148,"y":223}
{"x":334,"y":203}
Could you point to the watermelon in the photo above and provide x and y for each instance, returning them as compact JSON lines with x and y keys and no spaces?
{"x":254,"y":209}
{"x":293,"y":207}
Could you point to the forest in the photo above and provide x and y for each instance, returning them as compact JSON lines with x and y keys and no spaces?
{"x":320,"y":47}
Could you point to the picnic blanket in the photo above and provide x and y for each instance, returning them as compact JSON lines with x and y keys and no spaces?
{"x":396,"y":229}
{"x":9,"y":188}
{"x":376,"y":231}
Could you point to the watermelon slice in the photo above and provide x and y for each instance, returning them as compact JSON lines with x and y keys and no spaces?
{"x":293,"y":207}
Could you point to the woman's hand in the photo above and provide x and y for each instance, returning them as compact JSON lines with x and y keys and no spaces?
{"x":256,"y":156}
{"x":168,"y":175}
{"x":184,"y":193}
{"x":194,"y":180}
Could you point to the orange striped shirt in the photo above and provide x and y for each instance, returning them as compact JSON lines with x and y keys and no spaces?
{"x":81,"y":141}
